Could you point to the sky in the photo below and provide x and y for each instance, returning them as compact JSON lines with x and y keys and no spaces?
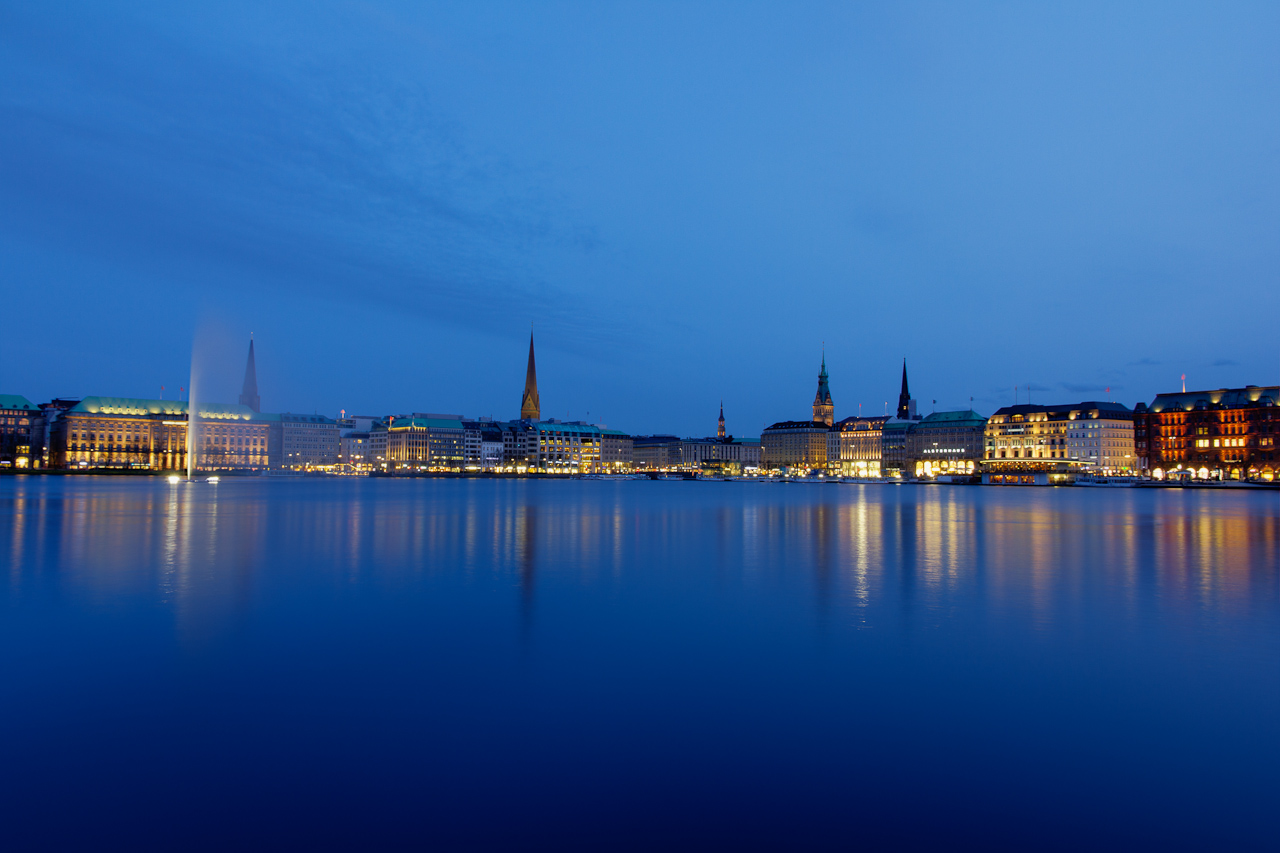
{"x":685,"y":202}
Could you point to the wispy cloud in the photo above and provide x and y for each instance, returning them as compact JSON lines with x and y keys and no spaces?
{"x":327,"y":185}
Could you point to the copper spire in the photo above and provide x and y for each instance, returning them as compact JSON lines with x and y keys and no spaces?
{"x":530,"y":407}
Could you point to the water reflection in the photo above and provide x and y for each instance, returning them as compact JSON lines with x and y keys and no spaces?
{"x":863,"y":555}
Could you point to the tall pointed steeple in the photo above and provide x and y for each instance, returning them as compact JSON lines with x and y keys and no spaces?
{"x":904,"y":398}
{"x":720,"y":428}
{"x":249,"y":394}
{"x":530,"y":407}
{"x":824,"y":411}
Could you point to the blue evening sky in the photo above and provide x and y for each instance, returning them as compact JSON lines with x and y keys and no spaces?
{"x":684,"y":200}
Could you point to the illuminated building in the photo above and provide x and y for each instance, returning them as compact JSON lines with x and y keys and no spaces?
{"x":127,"y":432}
{"x":854,"y":448}
{"x":795,"y":444}
{"x":824,"y":411}
{"x":249,"y":393}
{"x":895,"y":448}
{"x":530,"y":406}
{"x":420,"y":442}
{"x":617,"y":451}
{"x":572,"y":448}
{"x":720,"y":424}
{"x":1229,"y":433}
{"x":355,"y":451}
{"x":1031,"y":444}
{"x":21,"y":432}
{"x":946,"y":443}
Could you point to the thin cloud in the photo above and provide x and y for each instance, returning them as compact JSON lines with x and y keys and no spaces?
{"x":352,"y":190}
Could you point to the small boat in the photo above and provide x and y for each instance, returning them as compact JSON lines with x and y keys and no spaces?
{"x":1107,"y":482}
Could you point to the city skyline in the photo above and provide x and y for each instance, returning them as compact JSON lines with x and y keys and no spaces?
{"x":1032,"y":197}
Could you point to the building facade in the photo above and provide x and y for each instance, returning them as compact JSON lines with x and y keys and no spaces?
{"x":127,"y":432}
{"x":1058,"y":442}
{"x":947,"y":443}
{"x":419,"y":442}
{"x":302,"y":442}
{"x":21,"y":432}
{"x":794,"y":444}
{"x":853,"y":447}
{"x":1227,"y":434}
{"x":617,"y":450}
{"x":657,"y":452}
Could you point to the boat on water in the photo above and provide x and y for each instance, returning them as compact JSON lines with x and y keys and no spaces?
{"x":1107,"y":482}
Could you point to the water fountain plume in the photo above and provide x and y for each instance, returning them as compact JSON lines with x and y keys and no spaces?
{"x":193,"y":423}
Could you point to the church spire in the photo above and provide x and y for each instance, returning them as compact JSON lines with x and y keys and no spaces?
{"x":823,"y":409}
{"x":249,"y":394}
{"x":720,"y":428}
{"x":904,"y":399}
{"x":530,"y":407}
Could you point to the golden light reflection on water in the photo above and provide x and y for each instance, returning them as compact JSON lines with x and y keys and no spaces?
{"x":1044,"y":556}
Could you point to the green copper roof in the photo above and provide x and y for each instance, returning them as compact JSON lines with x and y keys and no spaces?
{"x":16,"y":401}
{"x":547,"y":426}
{"x":141,"y":407}
{"x":968,"y":417}
{"x":424,"y":423}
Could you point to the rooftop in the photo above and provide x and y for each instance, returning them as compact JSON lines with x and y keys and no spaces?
{"x":142,"y":407}
{"x":15,"y":402}
{"x":1249,"y":395}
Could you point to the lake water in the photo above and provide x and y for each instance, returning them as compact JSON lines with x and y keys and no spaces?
{"x":374,"y":664}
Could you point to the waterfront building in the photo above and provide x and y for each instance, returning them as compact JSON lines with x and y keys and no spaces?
{"x":482,"y":445}
{"x":617,"y":450}
{"x":824,"y":411}
{"x":1037,"y":444}
{"x":795,"y":444}
{"x":722,"y":453}
{"x":53,"y":412}
{"x":519,"y":445}
{"x":946,"y":443}
{"x":1229,"y":433}
{"x":249,"y":393}
{"x":491,"y":446}
{"x":530,"y":405}
{"x":21,"y":432}
{"x":302,"y":442}
{"x":420,"y":442}
{"x":1101,"y":437}
{"x":657,"y":452}
{"x":568,"y":448}
{"x":355,"y":451}
{"x":727,"y":454}
{"x":895,"y":448}
{"x":128,"y":432}
{"x":854,"y":447}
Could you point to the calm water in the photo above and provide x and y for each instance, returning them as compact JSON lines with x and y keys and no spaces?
{"x":374,"y":664}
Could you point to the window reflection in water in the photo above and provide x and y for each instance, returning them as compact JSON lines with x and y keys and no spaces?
{"x":861,"y":555}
